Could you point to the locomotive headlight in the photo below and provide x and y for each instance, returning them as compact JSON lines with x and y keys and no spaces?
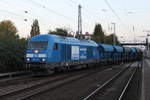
{"x":43,"y":59}
{"x":28,"y":59}
{"x":36,"y":51}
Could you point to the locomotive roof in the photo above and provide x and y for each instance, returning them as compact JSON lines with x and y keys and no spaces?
{"x":61,"y":39}
{"x":118,"y":48}
{"x":107,"y":47}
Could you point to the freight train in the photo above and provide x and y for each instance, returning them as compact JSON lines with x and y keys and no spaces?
{"x":52,"y":52}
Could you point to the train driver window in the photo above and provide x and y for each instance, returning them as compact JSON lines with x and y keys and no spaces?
{"x":56,"y":46}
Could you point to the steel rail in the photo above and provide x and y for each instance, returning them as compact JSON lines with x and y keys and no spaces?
{"x":106,"y":83}
{"x":81,"y":76}
{"x":75,"y":75}
{"x":126,"y":86}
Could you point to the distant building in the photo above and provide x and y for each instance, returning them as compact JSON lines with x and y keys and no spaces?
{"x":87,"y":36}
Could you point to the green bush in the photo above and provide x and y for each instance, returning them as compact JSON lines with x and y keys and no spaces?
{"x":12,"y":54}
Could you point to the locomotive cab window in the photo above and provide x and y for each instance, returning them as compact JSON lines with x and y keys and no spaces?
{"x":56,"y":46}
{"x":39,"y":45}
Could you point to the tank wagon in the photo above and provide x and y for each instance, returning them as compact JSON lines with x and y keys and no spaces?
{"x":53,"y":52}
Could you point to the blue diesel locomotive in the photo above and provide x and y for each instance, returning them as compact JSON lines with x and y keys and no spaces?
{"x":52,"y":52}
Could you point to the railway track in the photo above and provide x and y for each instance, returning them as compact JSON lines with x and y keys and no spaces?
{"x":126,"y":86}
{"x":17,"y":80}
{"x":22,"y":93}
{"x":32,"y":88}
{"x":30,"y":78}
{"x":107,"y":91}
{"x":132,"y":90}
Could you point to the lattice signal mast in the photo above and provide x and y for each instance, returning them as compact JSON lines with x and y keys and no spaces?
{"x":79,"y":21}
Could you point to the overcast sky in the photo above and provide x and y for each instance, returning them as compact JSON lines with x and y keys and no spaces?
{"x":63,"y":13}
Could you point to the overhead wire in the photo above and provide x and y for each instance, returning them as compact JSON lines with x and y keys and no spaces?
{"x":66,"y":17}
{"x":113,"y":11}
{"x":51,"y":10}
{"x":14,"y":14}
{"x":24,"y":17}
{"x":70,"y":4}
{"x":85,"y":11}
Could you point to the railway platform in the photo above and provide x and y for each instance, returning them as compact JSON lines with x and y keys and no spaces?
{"x":146,"y":80}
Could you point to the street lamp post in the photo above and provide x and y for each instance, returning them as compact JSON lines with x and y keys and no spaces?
{"x":134,"y":34}
{"x":147,"y":32}
{"x":147,"y":41}
{"x":114,"y":33}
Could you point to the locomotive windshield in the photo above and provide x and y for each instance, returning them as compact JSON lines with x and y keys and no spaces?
{"x":38,"y":45}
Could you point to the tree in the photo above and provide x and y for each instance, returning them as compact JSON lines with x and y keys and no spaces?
{"x":109,"y":39}
{"x":98,"y":35}
{"x":35,"y":30}
{"x":59,"y":31}
{"x":12,"y":54}
{"x":12,"y":48}
{"x":8,"y":29}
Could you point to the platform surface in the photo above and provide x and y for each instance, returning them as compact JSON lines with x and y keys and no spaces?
{"x":146,"y":80}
